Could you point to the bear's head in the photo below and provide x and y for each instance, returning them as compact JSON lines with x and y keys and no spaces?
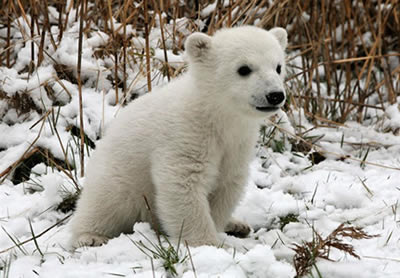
{"x":243,"y":67}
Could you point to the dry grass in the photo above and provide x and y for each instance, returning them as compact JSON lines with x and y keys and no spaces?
{"x":319,"y":248}
{"x":336,"y":43}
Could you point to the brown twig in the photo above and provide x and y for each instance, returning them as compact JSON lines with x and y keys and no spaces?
{"x":146,"y":33}
{"x":8,"y":43}
{"x":79,"y":68}
{"x":163,"y":38}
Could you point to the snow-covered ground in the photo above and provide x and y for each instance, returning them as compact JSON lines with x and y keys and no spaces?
{"x":320,"y":197}
{"x":287,"y":196}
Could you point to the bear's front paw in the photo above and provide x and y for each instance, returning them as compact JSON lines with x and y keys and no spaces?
{"x":90,"y":239}
{"x":237,"y":228}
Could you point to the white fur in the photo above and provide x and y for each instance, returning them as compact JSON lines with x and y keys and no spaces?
{"x":184,"y":147}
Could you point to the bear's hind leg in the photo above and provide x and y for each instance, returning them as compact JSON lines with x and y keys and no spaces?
{"x":101,"y":215}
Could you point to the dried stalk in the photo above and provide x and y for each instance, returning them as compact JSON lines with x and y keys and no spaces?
{"x":8,"y":44}
{"x":146,"y":32}
{"x":115,"y":50}
{"x":32,"y":27}
{"x":124,"y":46}
{"x":163,"y":38}
{"x":79,"y":67}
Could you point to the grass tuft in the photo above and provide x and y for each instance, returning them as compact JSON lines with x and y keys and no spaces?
{"x":319,"y":248}
{"x":289,"y":218}
{"x":169,"y":255}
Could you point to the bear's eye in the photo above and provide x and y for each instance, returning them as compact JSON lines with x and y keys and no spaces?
{"x":244,"y":70}
{"x":278,"y":69}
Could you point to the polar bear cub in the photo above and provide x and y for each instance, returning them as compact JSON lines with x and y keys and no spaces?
{"x":183,"y":150}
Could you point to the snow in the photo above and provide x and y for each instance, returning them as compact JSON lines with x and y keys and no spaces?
{"x":325,"y":195}
{"x":393,"y":115}
{"x":261,"y":262}
{"x":340,"y":189}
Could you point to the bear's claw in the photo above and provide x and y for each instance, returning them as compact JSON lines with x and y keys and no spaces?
{"x":90,"y":239}
{"x":237,"y":229}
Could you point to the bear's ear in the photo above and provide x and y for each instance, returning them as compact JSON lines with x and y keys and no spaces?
{"x":281,"y":35}
{"x":197,"y":45}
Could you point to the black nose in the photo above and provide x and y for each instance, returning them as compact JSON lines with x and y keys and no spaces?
{"x":275,"y":98}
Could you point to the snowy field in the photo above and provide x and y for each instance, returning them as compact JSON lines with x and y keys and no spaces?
{"x":290,"y":196}
{"x":320,"y":197}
